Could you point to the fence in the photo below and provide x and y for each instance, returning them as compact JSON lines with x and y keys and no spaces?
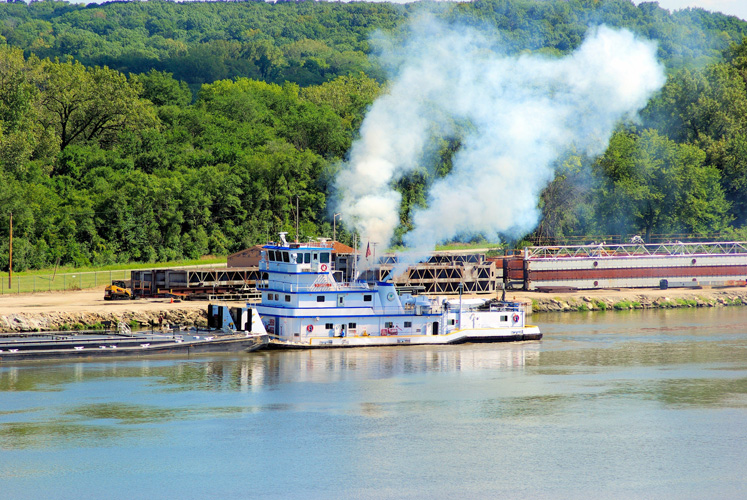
{"x":61,"y":281}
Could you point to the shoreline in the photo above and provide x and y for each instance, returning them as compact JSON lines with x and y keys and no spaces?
{"x":631,"y":298}
{"x":77,"y":310}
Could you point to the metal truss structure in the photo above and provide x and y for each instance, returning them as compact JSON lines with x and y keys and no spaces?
{"x":677,"y":248}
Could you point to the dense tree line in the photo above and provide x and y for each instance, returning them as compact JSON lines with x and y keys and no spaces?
{"x":159,"y":130}
{"x":102,"y":168}
{"x":310,"y":42}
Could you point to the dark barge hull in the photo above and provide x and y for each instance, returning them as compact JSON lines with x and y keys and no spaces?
{"x":101,"y":348}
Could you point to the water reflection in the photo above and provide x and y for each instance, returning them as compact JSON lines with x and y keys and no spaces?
{"x":250,"y":372}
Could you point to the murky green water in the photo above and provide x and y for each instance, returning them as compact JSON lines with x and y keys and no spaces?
{"x":615,"y":405}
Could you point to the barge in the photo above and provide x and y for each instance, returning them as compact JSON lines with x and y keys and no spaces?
{"x":222,"y":336}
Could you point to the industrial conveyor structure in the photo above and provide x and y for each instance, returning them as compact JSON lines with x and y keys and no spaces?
{"x":443,"y":273}
{"x":636,"y":265}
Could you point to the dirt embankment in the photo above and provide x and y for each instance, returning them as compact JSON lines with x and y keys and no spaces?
{"x":78,"y":309}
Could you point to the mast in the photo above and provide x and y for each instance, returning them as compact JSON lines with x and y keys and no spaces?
{"x":355,"y":260}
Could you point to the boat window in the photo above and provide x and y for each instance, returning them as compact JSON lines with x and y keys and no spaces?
{"x":287,"y":298}
{"x":307,"y":258}
{"x":324,"y":257}
{"x":316,"y":256}
{"x":277,"y":297}
{"x":408,"y":324}
{"x":329,"y":326}
{"x":352,"y":325}
{"x":320,"y":298}
{"x":286,"y":257}
{"x":367,"y":298}
{"x":452,"y":322}
{"x":504,"y":318}
{"x":388,"y":324}
{"x":271,"y":255}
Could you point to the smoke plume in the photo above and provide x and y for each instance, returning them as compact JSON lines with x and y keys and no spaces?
{"x":522,"y":113}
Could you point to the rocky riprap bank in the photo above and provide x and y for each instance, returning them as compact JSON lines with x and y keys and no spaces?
{"x":536,"y":302}
{"x":643,"y":300}
{"x":27,"y":322}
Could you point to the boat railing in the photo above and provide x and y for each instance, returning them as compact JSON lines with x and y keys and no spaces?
{"x":311,"y":287}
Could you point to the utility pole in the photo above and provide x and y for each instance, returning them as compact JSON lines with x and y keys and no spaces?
{"x":10,"y":254}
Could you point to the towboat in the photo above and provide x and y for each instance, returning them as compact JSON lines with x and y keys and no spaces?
{"x":303,"y":305}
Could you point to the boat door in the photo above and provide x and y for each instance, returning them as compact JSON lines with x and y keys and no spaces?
{"x":435,"y":328}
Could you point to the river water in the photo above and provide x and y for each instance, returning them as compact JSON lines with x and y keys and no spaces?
{"x":646,"y":404}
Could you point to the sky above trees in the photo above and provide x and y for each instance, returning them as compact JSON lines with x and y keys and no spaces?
{"x":730,"y":7}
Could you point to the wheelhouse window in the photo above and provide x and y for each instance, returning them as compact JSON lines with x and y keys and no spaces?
{"x":271,"y":255}
{"x":307,"y":258}
{"x":286,"y":257}
{"x":320,"y":298}
{"x":367,"y":298}
{"x":324,"y":257}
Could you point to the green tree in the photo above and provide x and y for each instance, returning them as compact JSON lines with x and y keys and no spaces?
{"x":651,"y":184}
{"x":90,"y":104}
{"x":160,"y":88}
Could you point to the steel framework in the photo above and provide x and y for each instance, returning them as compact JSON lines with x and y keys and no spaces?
{"x":635,"y":250}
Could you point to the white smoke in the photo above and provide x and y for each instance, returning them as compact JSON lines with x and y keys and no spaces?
{"x":523,"y":113}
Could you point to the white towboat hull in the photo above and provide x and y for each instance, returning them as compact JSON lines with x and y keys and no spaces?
{"x":476,"y":335}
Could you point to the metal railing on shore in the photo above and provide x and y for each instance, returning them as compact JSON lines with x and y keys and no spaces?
{"x":60,"y":281}
{"x":73,"y":281}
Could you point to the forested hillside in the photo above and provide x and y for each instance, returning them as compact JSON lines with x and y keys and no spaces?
{"x":160,"y":130}
{"x":312,"y":42}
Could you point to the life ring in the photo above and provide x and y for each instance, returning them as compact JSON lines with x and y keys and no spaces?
{"x":323,"y":267}
{"x":516,"y":318}
{"x":310,"y":328}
